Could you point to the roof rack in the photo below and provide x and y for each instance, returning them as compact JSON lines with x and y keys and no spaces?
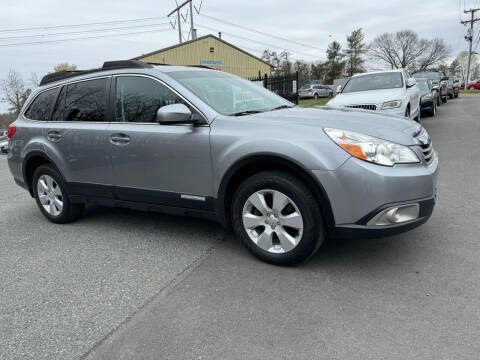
{"x":107,"y":65}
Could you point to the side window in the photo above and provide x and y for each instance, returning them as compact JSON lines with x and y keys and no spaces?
{"x":138,"y":99}
{"x":86,"y":101}
{"x":41,"y":107}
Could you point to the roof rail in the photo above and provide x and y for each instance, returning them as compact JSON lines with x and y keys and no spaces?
{"x":107,"y":65}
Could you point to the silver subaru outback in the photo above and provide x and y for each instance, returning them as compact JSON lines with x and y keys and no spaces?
{"x":199,"y":142}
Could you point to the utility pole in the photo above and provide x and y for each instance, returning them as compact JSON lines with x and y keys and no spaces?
{"x":177,"y":10}
{"x":469,"y":38}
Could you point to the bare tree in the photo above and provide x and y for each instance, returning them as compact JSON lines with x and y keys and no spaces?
{"x":14,"y":91}
{"x":435,"y":53}
{"x":33,"y":80}
{"x":405,"y":49}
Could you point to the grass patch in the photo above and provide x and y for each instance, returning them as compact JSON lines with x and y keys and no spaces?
{"x":476,"y":92}
{"x":312,"y":102}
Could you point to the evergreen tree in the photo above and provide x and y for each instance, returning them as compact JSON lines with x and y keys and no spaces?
{"x":356,"y":48}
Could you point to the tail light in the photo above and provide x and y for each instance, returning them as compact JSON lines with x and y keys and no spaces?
{"x":11,"y":130}
{"x":309,"y":90}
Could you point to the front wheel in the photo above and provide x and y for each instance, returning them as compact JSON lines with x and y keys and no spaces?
{"x":277,"y":218}
{"x":445,"y":99}
{"x":52,"y":198}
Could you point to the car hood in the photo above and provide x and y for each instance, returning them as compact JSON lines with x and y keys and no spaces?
{"x":367,"y":97}
{"x":389,"y":127}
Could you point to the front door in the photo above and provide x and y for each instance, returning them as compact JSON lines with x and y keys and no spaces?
{"x":153,"y":163}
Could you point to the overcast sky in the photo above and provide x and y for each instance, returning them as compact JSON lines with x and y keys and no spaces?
{"x":313,"y":22}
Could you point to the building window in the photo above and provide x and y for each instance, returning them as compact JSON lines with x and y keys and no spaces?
{"x":212,"y":49}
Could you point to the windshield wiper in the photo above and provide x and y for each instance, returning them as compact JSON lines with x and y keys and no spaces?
{"x":247,"y":112}
{"x":281,"y":107}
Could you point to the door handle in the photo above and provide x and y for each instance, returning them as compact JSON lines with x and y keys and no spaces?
{"x":119,"y":139}
{"x":54,"y":136}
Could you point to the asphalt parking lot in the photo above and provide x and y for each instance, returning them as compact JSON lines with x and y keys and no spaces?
{"x":120,"y":284}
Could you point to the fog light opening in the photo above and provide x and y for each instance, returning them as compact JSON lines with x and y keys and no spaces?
{"x":396,"y":215}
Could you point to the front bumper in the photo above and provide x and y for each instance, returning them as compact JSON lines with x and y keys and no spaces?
{"x":363,"y":231}
{"x":359,"y":190}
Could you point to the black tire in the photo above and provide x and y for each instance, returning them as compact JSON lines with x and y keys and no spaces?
{"x":445,"y":99}
{"x":455,"y":96}
{"x":433,"y":112}
{"x":450,"y":96}
{"x":313,"y":229}
{"x":70,"y":211}
{"x":419,"y":117}
{"x":407,"y":112}
{"x":315,"y":96}
{"x":439,"y":101}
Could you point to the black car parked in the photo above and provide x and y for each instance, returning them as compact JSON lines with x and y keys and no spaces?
{"x":439,"y":83}
{"x":453,"y":87}
{"x":428,"y":103}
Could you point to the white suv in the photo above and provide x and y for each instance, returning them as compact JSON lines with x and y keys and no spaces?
{"x":392,"y":92}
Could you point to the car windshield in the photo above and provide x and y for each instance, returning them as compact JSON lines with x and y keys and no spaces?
{"x":229,"y":94}
{"x":431,"y":75}
{"x":423,"y":85}
{"x":374,"y":82}
{"x":305,"y":87}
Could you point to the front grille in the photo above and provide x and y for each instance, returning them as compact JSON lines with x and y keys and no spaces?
{"x":363,"y":106}
{"x":428,"y":152}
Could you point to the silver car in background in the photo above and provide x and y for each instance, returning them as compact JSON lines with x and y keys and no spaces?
{"x":205,"y":143}
{"x":315,"y":91}
{"x":389,"y":92}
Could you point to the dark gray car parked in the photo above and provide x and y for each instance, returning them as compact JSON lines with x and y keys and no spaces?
{"x":200,"y":142}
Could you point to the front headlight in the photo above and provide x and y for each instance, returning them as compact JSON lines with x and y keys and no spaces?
{"x":371,"y":149}
{"x":392,"y":104}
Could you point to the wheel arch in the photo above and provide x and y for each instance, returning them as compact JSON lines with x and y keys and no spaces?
{"x":251,"y":165}
{"x":31,"y":162}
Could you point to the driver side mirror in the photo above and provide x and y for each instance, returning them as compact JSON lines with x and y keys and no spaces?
{"x":339,"y":89}
{"x":411,"y":82}
{"x":174,"y":114}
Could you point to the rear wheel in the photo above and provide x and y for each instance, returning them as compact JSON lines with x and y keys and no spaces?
{"x":277,"y":218}
{"x":445,"y":99}
{"x":439,"y":101}
{"x":471,"y":88}
{"x":407,"y":112}
{"x":52,"y":197}
{"x":315,"y":96}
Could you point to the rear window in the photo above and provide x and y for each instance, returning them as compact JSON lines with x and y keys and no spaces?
{"x":42,"y":106}
{"x":86,"y":101}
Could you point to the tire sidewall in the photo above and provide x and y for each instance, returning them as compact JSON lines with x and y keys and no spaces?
{"x":64,"y":215}
{"x":313,"y":231}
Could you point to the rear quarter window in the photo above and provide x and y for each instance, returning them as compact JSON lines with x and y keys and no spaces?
{"x":41,"y":107}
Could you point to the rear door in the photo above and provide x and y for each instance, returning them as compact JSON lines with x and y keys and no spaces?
{"x":162,"y":164}
{"x":77,"y":137}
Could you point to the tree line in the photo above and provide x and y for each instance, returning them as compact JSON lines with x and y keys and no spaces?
{"x":401,"y":49}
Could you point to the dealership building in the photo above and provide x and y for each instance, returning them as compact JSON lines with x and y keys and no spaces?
{"x":213,"y":52}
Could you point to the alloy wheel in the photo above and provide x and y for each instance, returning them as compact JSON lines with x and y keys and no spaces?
{"x":50,"y":195}
{"x":272,"y":221}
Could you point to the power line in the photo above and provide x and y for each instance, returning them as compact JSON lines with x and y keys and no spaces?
{"x":259,"y":42}
{"x":80,"y":38}
{"x":263,"y":33}
{"x":469,"y":38}
{"x":80,"y":25}
{"x":79,"y":32}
